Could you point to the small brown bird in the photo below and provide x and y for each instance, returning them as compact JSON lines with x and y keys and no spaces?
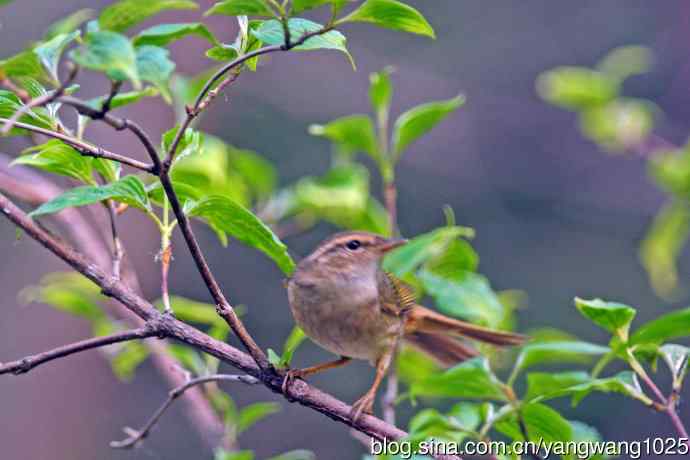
{"x":346,"y":303}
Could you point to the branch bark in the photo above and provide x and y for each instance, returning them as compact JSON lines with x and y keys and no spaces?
{"x":24,"y":365}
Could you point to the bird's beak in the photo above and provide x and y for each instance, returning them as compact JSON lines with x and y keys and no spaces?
{"x":391,"y":244}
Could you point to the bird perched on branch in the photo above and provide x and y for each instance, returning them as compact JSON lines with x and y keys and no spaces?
{"x":344,"y":301}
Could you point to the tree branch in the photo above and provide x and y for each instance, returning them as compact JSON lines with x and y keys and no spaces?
{"x":84,"y":148}
{"x":24,"y":365}
{"x":135,"y":436}
{"x":167,"y":326}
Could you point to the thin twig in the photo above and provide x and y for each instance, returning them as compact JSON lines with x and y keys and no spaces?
{"x":114,"y":89}
{"x":167,"y":326}
{"x":118,"y":249}
{"x":24,"y":365}
{"x":165,"y":256}
{"x":135,"y":436}
{"x":21,"y":93}
{"x":85,"y":148}
{"x":40,"y":101}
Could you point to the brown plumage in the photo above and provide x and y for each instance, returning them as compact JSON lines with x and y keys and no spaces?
{"x":347,"y":304}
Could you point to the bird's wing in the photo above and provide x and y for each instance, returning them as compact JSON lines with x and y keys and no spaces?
{"x":395,"y":296}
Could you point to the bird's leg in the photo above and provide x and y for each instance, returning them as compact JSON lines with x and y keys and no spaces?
{"x":299,"y":373}
{"x":365,"y":404}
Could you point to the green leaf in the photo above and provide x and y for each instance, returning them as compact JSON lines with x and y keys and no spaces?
{"x":111,"y":53}
{"x":126,"y":361}
{"x":164,"y":34}
{"x":240,"y":7}
{"x":612,"y":316}
{"x":70,"y":23}
{"x":222,"y":52}
{"x":662,"y":245}
{"x":122,"y":99}
{"x":253,"y":413}
{"x":582,"y":434}
{"x":676,"y":358}
{"x":431,"y":424}
{"x":302,"y":5}
{"x":10,"y":103}
{"x":560,"y":352}
{"x":626,"y":61}
{"x":227,"y":216}
{"x":543,"y":424}
{"x":413,"y":365}
{"x":190,"y":142}
{"x":154,"y":65}
{"x":126,"y":13}
{"x":271,"y":33}
{"x":24,"y":64}
{"x":419,"y":120}
{"x":188,"y":358}
{"x":618,"y":125}
{"x":470,"y":379}
{"x":298,"y":454}
{"x":380,"y":90}
{"x":464,"y":295}
{"x":69,"y":292}
{"x":543,"y":384}
{"x":423,"y":248}
{"x":128,"y":190}
{"x":671,"y":171}
{"x":352,"y":134}
{"x":625,"y":383}
{"x":57,"y":157}
{"x":273,"y":358}
{"x":222,"y":454}
{"x":259,"y":174}
{"x":49,"y":52}
{"x":293,"y":341}
{"x":670,"y":326}
{"x":576,"y":88}
{"x":391,"y":14}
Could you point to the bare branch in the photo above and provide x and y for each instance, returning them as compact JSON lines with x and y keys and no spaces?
{"x":26,"y":364}
{"x":135,"y":436}
{"x":83,"y":147}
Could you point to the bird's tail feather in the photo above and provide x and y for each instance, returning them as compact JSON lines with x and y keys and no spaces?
{"x":445,"y":350}
{"x":422,"y":320}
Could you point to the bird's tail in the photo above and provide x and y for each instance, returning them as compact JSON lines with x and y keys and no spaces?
{"x":433,"y":333}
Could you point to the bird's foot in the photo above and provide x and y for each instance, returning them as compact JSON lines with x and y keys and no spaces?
{"x":364,"y":405}
{"x":290,"y":375}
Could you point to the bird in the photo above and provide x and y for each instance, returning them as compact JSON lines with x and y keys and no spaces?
{"x":346,"y":303}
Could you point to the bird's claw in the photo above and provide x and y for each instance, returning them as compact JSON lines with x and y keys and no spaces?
{"x":290,"y":375}
{"x":364,"y":405}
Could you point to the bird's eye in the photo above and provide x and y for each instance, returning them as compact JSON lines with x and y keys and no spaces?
{"x":353,"y":245}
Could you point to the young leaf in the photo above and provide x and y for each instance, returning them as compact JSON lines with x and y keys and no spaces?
{"x":122,"y":99}
{"x":620,"y":124}
{"x":227,"y":216}
{"x":626,"y":61}
{"x":380,"y":90}
{"x":625,"y":383}
{"x":10,"y":103}
{"x":676,"y":358}
{"x":190,"y":143}
{"x":302,"y":5}
{"x":470,"y":379}
{"x":222,"y":454}
{"x":154,"y":65}
{"x":576,"y":88}
{"x":193,"y":311}
{"x":271,"y":32}
{"x":557,"y":352}
{"x":108,"y":52}
{"x":352,"y":134}
{"x":419,"y":120}
{"x":543,"y":384}
{"x":124,"y":14}
{"x":164,"y":34}
{"x":542,"y":423}
{"x":24,"y":64}
{"x":128,"y":359}
{"x":240,"y":7}
{"x":222,"y":52}
{"x":612,"y":316}
{"x":49,"y":52}
{"x":670,"y":326}
{"x":57,"y":157}
{"x":253,"y":413}
{"x":128,"y":190}
{"x":391,"y":14}
{"x":293,"y":341}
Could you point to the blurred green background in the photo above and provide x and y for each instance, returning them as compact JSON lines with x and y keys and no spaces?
{"x":554,"y":216}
